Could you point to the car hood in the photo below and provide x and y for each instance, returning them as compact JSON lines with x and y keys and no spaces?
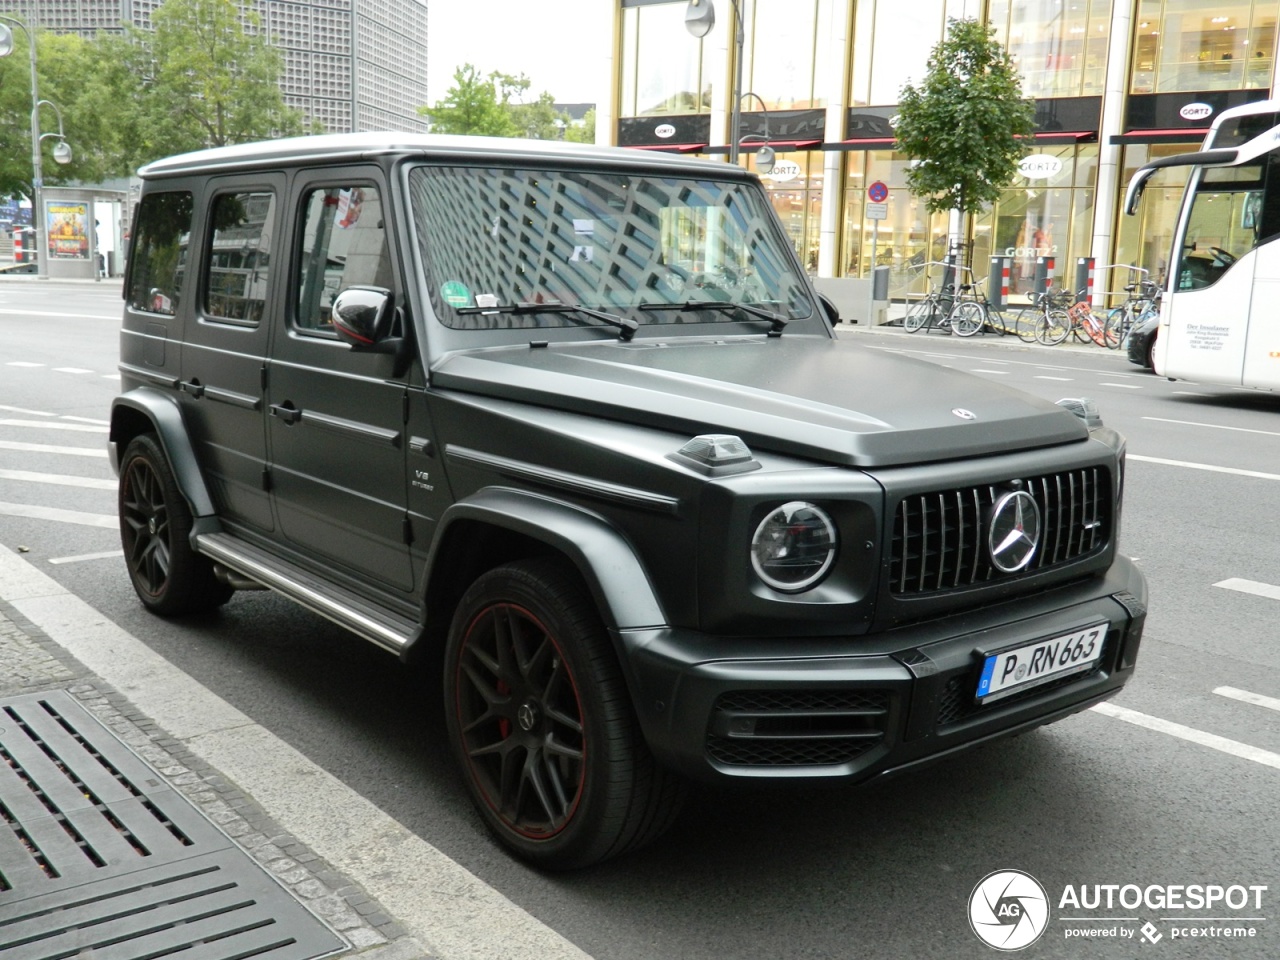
{"x":827,"y":400}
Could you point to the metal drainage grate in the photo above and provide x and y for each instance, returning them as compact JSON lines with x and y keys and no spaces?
{"x":98,"y":853}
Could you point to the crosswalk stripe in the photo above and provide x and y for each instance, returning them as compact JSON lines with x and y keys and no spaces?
{"x":58,"y":479}
{"x":1212,"y":740}
{"x":1206,"y":466}
{"x":1244,"y":696}
{"x":1268,"y":590}
{"x":47,"y":425}
{"x":57,"y":513}
{"x":49,"y":448}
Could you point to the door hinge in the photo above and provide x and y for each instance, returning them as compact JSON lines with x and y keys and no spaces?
{"x":407,"y":531}
{"x":262,"y":376}
{"x":266,"y":478}
{"x":404,"y":407}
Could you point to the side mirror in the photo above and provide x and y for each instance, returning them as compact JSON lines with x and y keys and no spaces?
{"x":362,"y":316}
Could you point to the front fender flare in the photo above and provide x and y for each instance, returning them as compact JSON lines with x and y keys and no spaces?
{"x":603,"y":557}
{"x":165,"y":419}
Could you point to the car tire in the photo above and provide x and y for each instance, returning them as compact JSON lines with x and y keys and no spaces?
{"x":541,"y":723}
{"x":170,"y":578}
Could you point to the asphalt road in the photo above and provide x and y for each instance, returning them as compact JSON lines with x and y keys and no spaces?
{"x":882,"y":872}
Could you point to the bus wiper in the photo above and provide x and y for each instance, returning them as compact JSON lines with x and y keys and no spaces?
{"x":625,"y":325}
{"x":724,"y":306}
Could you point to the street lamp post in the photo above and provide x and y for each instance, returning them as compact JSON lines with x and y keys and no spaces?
{"x":61,"y":153}
{"x":699,"y":18}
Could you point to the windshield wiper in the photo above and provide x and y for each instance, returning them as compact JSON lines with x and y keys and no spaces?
{"x":626,"y":326}
{"x":724,"y":306}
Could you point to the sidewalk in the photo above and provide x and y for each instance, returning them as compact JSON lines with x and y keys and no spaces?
{"x":106,"y":742}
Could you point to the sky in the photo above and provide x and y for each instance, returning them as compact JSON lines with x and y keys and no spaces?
{"x":558,"y":44}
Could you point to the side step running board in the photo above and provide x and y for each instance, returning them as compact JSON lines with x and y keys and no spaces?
{"x":319,"y":596}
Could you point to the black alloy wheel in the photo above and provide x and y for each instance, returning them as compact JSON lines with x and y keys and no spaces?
{"x":155,"y":523}
{"x":541,"y":723}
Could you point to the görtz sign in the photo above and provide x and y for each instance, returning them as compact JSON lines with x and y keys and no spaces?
{"x":1040,"y":166}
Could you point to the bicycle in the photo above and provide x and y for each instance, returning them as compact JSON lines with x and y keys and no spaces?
{"x":933,"y":310}
{"x":1142,"y":301}
{"x":974,"y":313}
{"x":1052,"y":325}
{"x":1087,"y":326}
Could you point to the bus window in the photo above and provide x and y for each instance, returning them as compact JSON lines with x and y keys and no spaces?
{"x":1230,"y":215}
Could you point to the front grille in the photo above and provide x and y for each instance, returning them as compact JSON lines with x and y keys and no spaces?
{"x":957,"y":701}
{"x":940,"y":538}
{"x":783,"y":728}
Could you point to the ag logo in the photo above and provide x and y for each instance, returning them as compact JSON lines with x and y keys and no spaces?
{"x":1008,"y":910}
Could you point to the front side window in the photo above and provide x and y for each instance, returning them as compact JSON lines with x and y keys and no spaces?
{"x":238,"y":262}
{"x":1233,"y":210}
{"x":616,"y":242}
{"x":162,"y":232}
{"x":344,"y":244}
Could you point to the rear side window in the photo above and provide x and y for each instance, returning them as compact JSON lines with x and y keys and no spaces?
{"x":238,"y":263}
{"x":162,"y":232}
{"x":344,"y":244}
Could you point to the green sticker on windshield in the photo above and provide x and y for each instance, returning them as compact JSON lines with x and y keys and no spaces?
{"x":456,"y":294}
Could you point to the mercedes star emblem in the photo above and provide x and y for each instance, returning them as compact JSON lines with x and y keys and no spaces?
{"x":1015,"y":531}
{"x":964,"y":414}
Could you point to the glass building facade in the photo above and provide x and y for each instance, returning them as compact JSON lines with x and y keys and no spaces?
{"x":1115,"y":83}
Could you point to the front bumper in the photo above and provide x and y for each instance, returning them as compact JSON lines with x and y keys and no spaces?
{"x":866,"y":706}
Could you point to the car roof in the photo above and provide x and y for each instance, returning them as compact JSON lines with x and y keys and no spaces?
{"x":354,"y":147}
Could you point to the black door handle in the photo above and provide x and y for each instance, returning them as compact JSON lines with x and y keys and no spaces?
{"x":287,"y":414}
{"x":193,"y":387}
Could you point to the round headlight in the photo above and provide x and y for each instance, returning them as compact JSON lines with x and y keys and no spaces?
{"x":794,"y":546}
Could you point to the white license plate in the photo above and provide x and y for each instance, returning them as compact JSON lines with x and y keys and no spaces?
{"x":1032,"y":664}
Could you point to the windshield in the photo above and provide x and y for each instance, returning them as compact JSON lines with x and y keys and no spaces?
{"x":616,"y":242}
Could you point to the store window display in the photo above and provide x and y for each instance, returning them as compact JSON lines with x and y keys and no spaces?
{"x":1190,"y":45}
{"x":663,"y":72}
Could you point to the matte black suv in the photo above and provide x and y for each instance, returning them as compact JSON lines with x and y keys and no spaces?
{"x":573,"y":421}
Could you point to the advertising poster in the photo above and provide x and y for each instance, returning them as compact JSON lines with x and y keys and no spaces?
{"x":68,"y":225}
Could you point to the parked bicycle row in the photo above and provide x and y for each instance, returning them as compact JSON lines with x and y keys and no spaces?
{"x":1050,"y":317}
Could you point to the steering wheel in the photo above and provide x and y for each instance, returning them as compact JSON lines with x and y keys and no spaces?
{"x":1223,"y":257}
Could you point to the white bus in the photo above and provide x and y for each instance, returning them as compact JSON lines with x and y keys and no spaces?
{"x":1220,"y":317}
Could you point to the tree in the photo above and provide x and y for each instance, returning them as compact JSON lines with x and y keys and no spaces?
{"x":584,"y":132}
{"x":495,"y":106}
{"x":213,"y":79}
{"x":964,"y":122}
{"x":471,"y":106}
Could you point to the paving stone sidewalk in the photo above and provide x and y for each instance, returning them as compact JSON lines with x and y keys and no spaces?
{"x":32,"y":663}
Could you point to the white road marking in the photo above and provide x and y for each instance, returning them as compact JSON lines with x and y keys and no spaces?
{"x":111,"y":376}
{"x":1244,"y":696}
{"x":447,"y":909}
{"x":26,"y":412}
{"x":1003,"y":373}
{"x":46,"y":313}
{"x":1041,"y":376}
{"x":46,"y":425}
{"x":1212,"y":740}
{"x":58,"y":514}
{"x":60,"y":479}
{"x":1124,"y":386}
{"x":23,"y":363}
{"x":1268,"y":590}
{"x":105,"y":555}
{"x":1214,"y":426}
{"x":105,"y":423}
{"x":1206,"y":466}
{"x":1188,"y":393}
{"x":71,"y":370}
{"x":50,"y":448}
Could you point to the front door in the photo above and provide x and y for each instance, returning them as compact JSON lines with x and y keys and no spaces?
{"x":336,"y":418}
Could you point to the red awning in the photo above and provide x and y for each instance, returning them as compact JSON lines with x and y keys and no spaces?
{"x":671,"y":147}
{"x":1168,"y":135}
{"x":1052,"y":137}
{"x":863,"y":143}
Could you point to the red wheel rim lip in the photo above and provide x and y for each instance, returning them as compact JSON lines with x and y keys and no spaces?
{"x":525,"y":832}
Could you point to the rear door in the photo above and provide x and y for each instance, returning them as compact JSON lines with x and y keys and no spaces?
{"x":336,"y":418}
{"x":225,"y":342}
